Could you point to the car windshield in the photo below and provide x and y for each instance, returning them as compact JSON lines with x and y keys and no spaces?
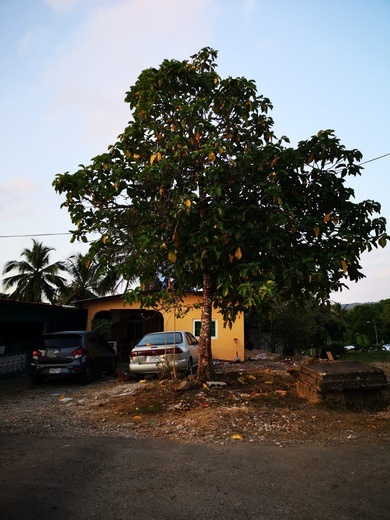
{"x":65,"y":341}
{"x":165,"y":338}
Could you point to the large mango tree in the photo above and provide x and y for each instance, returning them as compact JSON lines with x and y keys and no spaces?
{"x":199,"y":192}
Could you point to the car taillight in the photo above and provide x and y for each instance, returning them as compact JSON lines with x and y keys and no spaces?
{"x":76,"y":354}
{"x":156,"y":352}
{"x":175,"y":350}
{"x":36,"y":354}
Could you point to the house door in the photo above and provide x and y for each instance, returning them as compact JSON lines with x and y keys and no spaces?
{"x":135,"y":331}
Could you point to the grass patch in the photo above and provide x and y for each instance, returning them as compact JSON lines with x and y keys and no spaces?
{"x":367,"y":357}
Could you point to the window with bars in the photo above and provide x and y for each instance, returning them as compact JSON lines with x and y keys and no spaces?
{"x":196,"y":328}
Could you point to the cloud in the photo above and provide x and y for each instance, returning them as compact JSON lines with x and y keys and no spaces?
{"x":26,"y":42}
{"x":93,"y":70}
{"x":249,"y":7}
{"x":62,"y":6}
{"x":66,"y":6}
{"x":17,"y":186}
{"x":17,"y":198}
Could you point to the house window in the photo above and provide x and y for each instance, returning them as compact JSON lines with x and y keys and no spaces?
{"x":213,"y":327}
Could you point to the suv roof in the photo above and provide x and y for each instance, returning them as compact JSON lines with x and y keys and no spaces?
{"x":67,"y":332}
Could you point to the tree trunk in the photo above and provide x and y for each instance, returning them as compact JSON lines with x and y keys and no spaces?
{"x":205,"y":371}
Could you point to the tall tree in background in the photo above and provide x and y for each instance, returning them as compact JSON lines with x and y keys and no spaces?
{"x":84,"y":280}
{"x":87,"y":279}
{"x":36,"y":279}
{"x":200,"y":192}
{"x":303,"y":326}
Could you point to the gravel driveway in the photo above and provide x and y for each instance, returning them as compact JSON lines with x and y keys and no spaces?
{"x":56,"y":408}
{"x":265,"y":411}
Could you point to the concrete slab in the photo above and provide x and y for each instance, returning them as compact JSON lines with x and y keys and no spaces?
{"x":350,"y":385}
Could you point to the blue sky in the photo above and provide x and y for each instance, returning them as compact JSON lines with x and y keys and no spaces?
{"x":66,"y":65}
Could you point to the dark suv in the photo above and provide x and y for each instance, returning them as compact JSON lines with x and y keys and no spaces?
{"x":78,"y":353}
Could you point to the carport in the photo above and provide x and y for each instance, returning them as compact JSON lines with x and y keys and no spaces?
{"x":22,"y":325}
{"x":128,"y":326}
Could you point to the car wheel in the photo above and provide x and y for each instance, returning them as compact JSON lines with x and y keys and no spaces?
{"x":86,"y":375}
{"x":36,"y":380}
{"x":190,"y":367}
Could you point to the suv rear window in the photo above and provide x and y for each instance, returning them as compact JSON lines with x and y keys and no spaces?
{"x":65,"y":341}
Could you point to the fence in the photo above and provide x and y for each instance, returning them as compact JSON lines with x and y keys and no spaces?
{"x":15,"y":364}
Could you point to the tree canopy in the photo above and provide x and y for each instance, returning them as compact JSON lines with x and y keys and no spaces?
{"x":198,"y":191}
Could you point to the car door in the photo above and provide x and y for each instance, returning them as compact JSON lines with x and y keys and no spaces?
{"x":192,"y":343}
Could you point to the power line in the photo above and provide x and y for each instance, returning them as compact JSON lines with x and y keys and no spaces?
{"x":376,"y":158}
{"x":68,"y":233}
{"x":35,"y":235}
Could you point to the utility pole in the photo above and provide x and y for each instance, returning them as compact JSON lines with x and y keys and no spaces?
{"x":376,"y":331}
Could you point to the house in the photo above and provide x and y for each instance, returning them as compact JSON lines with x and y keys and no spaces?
{"x":130,"y":322}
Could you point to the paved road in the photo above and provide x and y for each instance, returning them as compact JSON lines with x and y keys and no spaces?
{"x":103,"y":478}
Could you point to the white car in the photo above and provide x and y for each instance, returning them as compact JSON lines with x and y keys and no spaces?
{"x":159,"y":350}
{"x":349,"y":347}
{"x":386,"y":347}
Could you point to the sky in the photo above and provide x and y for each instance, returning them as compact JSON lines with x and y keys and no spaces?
{"x":67,"y":64}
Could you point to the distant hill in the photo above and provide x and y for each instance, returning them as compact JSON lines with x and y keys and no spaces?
{"x":352,"y":305}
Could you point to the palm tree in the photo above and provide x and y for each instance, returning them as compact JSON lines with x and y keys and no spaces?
{"x":114,"y":278}
{"x":88,"y":279}
{"x":37,"y":279}
{"x":86,"y":282}
{"x":339,"y":311}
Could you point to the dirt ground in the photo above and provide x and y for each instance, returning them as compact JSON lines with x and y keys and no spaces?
{"x":257,"y":404}
{"x":250,"y":449}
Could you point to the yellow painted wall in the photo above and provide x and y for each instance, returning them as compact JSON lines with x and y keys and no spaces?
{"x":228,"y":343}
